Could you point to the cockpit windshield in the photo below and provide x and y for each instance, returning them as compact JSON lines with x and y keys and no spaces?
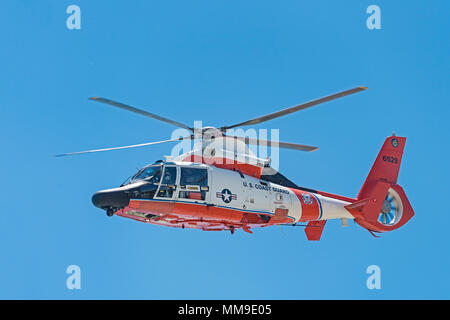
{"x":149,"y":173}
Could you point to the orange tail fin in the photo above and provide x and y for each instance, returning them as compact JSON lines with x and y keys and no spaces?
{"x":382,"y":204}
{"x":386,"y":166}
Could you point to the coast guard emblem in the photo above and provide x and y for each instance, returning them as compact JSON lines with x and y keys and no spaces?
{"x":394,"y":142}
{"x":307,"y":199}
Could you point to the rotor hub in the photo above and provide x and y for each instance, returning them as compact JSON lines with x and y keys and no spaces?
{"x":208,"y":133}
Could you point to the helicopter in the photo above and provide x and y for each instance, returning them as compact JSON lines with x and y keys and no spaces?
{"x":222,"y":185}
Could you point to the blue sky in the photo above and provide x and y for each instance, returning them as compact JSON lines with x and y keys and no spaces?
{"x":221,"y":62}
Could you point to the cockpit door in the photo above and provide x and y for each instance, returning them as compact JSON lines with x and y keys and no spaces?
{"x":168,"y":184}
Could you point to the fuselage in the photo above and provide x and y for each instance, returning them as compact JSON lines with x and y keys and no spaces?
{"x":203,"y":196}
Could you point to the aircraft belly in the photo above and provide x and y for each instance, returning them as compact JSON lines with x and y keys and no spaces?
{"x":190,"y":215}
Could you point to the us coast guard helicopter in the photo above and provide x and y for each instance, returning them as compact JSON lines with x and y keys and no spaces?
{"x":220,"y":185}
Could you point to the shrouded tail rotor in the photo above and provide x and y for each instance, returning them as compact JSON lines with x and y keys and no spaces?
{"x":391,"y":210}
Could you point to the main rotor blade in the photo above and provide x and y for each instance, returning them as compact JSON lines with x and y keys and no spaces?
{"x":123,"y":147}
{"x":296,"y":108}
{"x":139,"y":111}
{"x":269,"y":143}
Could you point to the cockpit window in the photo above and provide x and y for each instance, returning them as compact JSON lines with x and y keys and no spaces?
{"x":149,"y":173}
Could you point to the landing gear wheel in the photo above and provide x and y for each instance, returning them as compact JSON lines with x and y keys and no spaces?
{"x":109,"y":212}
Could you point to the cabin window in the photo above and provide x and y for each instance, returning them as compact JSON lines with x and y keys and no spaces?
{"x":194,"y":177}
{"x":193,"y":183}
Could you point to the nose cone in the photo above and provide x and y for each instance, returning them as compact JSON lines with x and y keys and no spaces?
{"x":112,"y":198}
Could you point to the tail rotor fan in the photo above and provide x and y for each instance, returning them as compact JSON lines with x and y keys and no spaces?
{"x":392,"y":209}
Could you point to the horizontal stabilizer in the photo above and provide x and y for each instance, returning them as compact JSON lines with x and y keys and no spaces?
{"x":314,"y":230}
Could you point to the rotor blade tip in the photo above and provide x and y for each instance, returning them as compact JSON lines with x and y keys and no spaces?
{"x":364,"y":88}
{"x":93,"y":98}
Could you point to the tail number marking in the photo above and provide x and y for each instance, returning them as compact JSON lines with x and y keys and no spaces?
{"x":390,"y":159}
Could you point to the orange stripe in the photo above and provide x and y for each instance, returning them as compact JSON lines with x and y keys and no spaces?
{"x":310,"y":206}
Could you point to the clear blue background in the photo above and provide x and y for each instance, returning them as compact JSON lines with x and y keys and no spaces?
{"x":221,"y":62}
